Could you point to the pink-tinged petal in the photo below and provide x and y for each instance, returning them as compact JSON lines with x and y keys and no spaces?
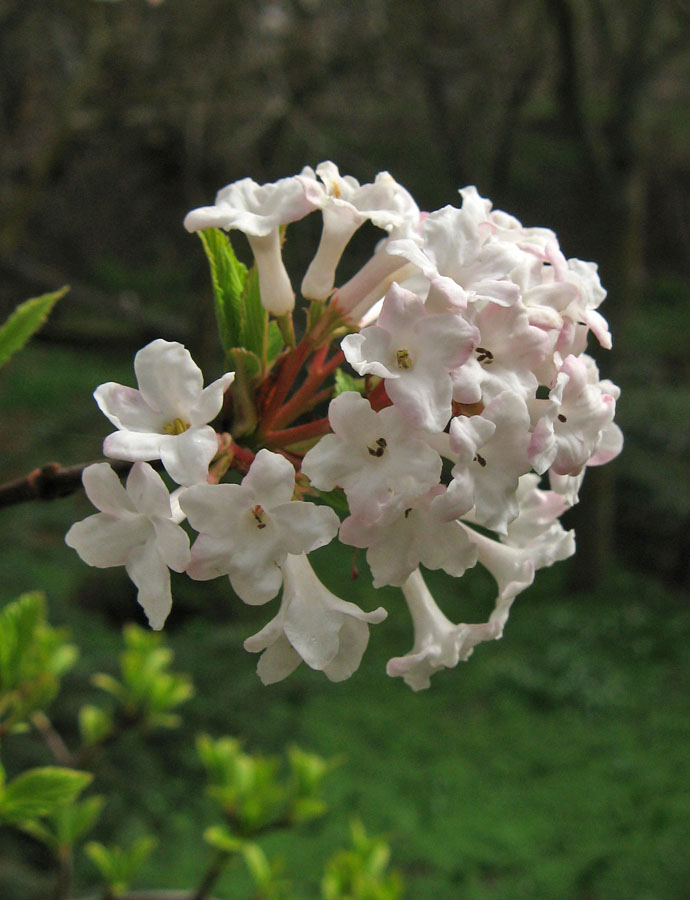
{"x":609,"y":446}
{"x":468,"y":434}
{"x":458,"y":498}
{"x":105,"y":491}
{"x":423,"y":396}
{"x":349,"y":415}
{"x":371,"y":353}
{"x":126,"y":408}
{"x":401,"y":310}
{"x":258,"y":582}
{"x":215,"y":509}
{"x":448,"y":548}
{"x":600,"y":328}
{"x":134,"y":446}
{"x":104,"y":541}
{"x":210,"y":401}
{"x":210,"y":557}
{"x":147,"y":492}
{"x":151,"y":576}
{"x":271,"y":479}
{"x":172,"y":543}
{"x":187,"y":456}
{"x":501,"y":293}
{"x":277,"y":661}
{"x":304,"y":526}
{"x":169,"y":379}
{"x":353,"y":640}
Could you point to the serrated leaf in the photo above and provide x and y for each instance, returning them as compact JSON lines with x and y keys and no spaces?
{"x":254,"y":336}
{"x":18,"y":623}
{"x":38,"y":792}
{"x":228,"y":276}
{"x":25,"y":321}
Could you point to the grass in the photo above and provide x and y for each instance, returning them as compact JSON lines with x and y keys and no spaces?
{"x":552,"y":765}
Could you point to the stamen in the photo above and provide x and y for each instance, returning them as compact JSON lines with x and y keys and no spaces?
{"x":258,"y":513}
{"x":177,"y":426}
{"x":480,"y":460}
{"x":379,"y":448}
{"x":484,"y":355}
{"x":561,"y":418}
{"x":402,"y":357}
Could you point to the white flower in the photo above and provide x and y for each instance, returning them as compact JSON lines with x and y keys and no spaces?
{"x":579,"y":409}
{"x":375,"y":458}
{"x":420,"y":534}
{"x":246,"y":531}
{"x":507,"y":352}
{"x":346,"y":205}
{"x":414,"y":350}
{"x":490,"y":453}
{"x":259,"y":211}
{"x":438,"y":644}
{"x":313,"y":625}
{"x":135,"y":529}
{"x":166,"y":418}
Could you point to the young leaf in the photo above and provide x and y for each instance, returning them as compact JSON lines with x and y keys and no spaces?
{"x":228,"y":276}
{"x":255,"y":330}
{"x":38,"y":792}
{"x":25,"y":321}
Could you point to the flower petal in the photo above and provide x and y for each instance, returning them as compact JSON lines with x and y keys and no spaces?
{"x":187,"y":456}
{"x":151,"y":576}
{"x":104,"y":541}
{"x":169,"y":379}
{"x":105,"y":491}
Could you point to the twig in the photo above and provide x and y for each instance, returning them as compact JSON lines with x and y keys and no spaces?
{"x":50,"y":481}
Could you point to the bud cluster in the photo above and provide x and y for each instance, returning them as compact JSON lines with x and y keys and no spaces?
{"x":462,"y":436}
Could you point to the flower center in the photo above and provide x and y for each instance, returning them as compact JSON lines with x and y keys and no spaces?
{"x":258,"y":513}
{"x":177,"y":426}
{"x":378,"y":448}
{"x":402,"y":357}
{"x":484,"y":356}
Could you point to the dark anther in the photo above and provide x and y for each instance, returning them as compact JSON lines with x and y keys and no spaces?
{"x":379,"y":448}
{"x":561,"y":418}
{"x":480,"y":460}
{"x":484,"y":355}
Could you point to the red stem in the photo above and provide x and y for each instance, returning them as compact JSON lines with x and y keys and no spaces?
{"x":303,"y":399}
{"x":285,"y":379}
{"x":286,"y":437}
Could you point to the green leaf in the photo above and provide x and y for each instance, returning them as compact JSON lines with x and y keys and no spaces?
{"x":274,"y":342}
{"x":254,"y":336}
{"x":25,"y":321}
{"x":38,"y":792}
{"x":221,"y":838}
{"x":345,"y":382}
{"x":257,"y":863}
{"x":119,"y":865}
{"x":19,"y":621}
{"x":95,"y":724}
{"x":228,"y":276}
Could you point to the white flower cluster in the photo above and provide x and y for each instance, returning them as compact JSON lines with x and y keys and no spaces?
{"x":469,"y":333}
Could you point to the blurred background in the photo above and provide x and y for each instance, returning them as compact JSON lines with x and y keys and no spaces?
{"x":116,"y":118}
